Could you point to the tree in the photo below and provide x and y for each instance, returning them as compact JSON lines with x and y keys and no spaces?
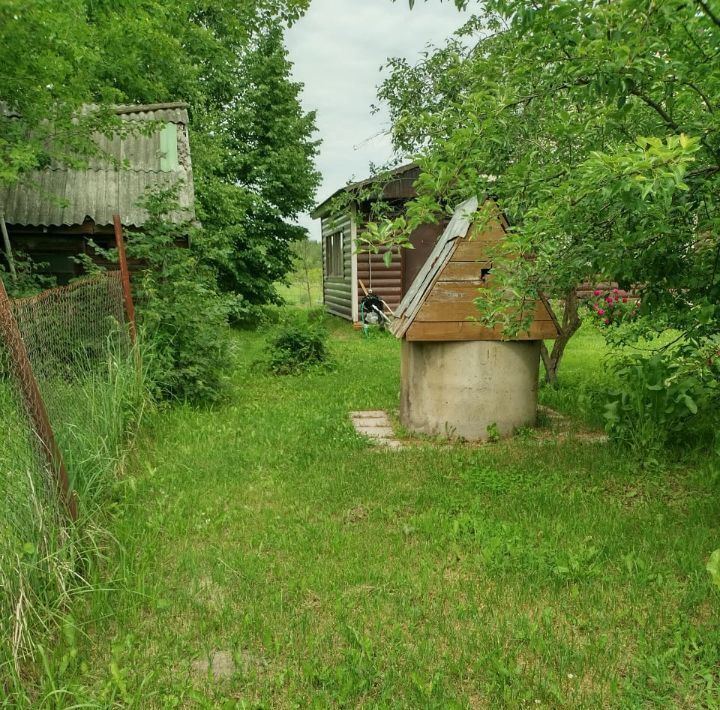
{"x":252,"y":144}
{"x":596,"y":126}
{"x":48,"y":61}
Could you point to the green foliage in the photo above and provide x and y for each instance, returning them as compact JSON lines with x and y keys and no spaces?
{"x":252,"y":144}
{"x":255,"y":174}
{"x":296,"y":346}
{"x":180,"y":311}
{"x":29,"y":277}
{"x":595,"y":127}
{"x":669,"y":398}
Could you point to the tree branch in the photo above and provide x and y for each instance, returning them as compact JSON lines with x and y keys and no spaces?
{"x":649,"y":101}
{"x":706,"y":9}
{"x":702,"y":95}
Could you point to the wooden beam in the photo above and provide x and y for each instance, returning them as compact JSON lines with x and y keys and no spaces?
{"x":8,"y":247}
{"x":472,"y":330}
{"x":448,"y":307}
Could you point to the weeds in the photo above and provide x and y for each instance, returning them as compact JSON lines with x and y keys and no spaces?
{"x":46,"y":561}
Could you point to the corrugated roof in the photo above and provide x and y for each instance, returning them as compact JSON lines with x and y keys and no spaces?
{"x":59,"y":196}
{"x":395,"y":173}
{"x":67,"y":197}
{"x":169,"y":113}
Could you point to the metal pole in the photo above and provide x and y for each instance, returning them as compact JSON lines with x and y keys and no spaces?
{"x":125,"y":277}
{"x":8,"y":248}
{"x":33,"y":401}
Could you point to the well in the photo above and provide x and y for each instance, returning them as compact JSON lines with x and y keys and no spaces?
{"x":460,"y":375}
{"x":462,"y":388}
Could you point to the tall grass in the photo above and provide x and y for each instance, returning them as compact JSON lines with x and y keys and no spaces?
{"x":46,"y":561}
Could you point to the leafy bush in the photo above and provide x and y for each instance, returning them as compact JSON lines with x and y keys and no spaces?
{"x":666,"y":399}
{"x":29,"y":278}
{"x":180,"y":310}
{"x":296,"y":346}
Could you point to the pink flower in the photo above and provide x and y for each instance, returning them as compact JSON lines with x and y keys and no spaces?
{"x":600,"y":312}
{"x":609,"y":299}
{"x":597,"y":292}
{"x":607,"y":321}
{"x":615,"y":291}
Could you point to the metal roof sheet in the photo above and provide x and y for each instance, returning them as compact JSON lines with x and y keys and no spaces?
{"x":60,"y":196}
{"x":67,"y":197}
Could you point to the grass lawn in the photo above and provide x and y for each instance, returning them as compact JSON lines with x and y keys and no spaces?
{"x":302,"y":292}
{"x":271,"y":557}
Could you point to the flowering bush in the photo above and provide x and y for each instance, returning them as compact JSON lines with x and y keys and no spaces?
{"x":612,"y":307}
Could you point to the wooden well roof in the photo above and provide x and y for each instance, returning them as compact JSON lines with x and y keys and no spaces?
{"x":439,"y":305}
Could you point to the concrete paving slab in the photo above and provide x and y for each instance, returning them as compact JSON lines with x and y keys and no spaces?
{"x":375,"y":432}
{"x":376,"y":426}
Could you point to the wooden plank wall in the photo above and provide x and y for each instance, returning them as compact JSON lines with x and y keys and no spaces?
{"x":386,"y":281}
{"x":337,"y":290}
{"x":56,"y":247}
{"x":449,"y":306}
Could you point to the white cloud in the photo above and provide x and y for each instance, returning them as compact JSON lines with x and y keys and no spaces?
{"x":337,"y":50}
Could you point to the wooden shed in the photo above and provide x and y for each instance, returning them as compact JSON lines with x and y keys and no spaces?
{"x":458,"y":376}
{"x":53,"y":213}
{"x":345,"y":270}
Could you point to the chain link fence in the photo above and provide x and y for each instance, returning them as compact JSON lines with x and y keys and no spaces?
{"x":69,"y":384}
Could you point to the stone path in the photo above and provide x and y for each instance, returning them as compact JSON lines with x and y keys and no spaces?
{"x":376,"y":426}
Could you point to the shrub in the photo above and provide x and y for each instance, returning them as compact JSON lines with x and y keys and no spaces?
{"x":29,"y":276}
{"x":613,"y":307}
{"x":296,"y":346}
{"x":666,"y":399}
{"x":183,"y":316}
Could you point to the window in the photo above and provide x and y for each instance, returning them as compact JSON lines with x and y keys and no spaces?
{"x":334,"y":261}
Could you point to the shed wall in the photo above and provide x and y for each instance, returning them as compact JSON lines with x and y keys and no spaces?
{"x":386,"y":282}
{"x":338,"y":290}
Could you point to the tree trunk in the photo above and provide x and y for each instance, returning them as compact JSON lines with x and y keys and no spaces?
{"x":570,"y":323}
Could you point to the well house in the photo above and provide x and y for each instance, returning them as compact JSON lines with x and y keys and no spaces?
{"x":459,"y":377}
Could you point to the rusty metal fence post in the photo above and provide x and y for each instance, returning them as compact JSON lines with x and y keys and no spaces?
{"x":33,"y":401}
{"x":125,"y":276}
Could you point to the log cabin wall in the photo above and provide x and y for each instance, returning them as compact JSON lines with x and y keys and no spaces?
{"x":337,"y":232}
{"x":385,"y":281}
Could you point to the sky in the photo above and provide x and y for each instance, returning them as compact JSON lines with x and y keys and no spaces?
{"x":337,"y":50}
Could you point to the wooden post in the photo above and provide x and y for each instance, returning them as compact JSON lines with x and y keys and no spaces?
{"x":8,"y":247}
{"x":125,"y":277}
{"x":33,"y":401}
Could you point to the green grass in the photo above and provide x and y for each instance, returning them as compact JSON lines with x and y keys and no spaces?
{"x":46,"y":562}
{"x":532,"y":572}
{"x":295,"y":293}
